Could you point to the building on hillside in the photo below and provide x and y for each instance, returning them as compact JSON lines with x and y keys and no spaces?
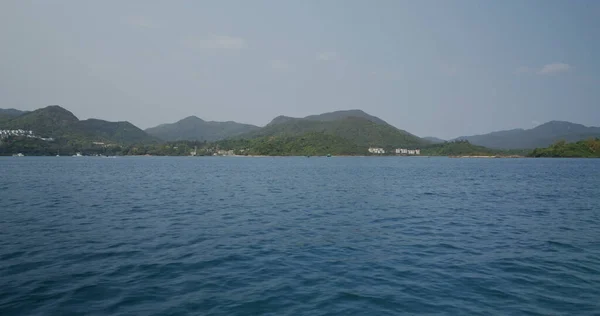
{"x":16,"y":132}
{"x":409,"y":152}
{"x":376,"y":150}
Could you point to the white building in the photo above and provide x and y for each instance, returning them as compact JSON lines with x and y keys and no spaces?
{"x":376,"y":150}
{"x":411,"y":152}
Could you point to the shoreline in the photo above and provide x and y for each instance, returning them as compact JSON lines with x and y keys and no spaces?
{"x":290,"y":156}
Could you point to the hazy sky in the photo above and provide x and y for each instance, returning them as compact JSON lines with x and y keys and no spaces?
{"x":442,"y":68}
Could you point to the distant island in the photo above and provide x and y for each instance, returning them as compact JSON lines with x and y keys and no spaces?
{"x":54,"y":130}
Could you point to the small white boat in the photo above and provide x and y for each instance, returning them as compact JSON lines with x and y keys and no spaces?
{"x":78,"y":155}
{"x":18,"y":155}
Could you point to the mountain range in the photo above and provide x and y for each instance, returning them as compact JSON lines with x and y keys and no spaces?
{"x":542,"y":135}
{"x":348,"y":127}
{"x":57,"y":122}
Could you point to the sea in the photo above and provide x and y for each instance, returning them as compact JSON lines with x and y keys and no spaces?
{"x":299,"y":236}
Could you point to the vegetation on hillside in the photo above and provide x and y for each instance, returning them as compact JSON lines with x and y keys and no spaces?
{"x":360,"y":131}
{"x":308,"y":144}
{"x":589,"y":148}
{"x":56,"y":122}
{"x":334,"y":133}
{"x":117,"y":132}
{"x":456,"y":148}
{"x":8,"y":114}
{"x":340,"y":115}
{"x":465,"y":148}
{"x":38,"y":147}
{"x":194,"y":128}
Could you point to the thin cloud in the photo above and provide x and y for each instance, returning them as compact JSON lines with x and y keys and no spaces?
{"x":549,"y":69}
{"x":280,"y":65}
{"x":327,"y":56}
{"x":140,"y":21}
{"x":222,"y":42}
{"x":554,"y":68}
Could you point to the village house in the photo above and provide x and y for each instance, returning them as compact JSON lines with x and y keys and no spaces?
{"x":15,"y":132}
{"x":376,"y":150}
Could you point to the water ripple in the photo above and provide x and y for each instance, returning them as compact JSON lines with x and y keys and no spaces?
{"x":296,"y":236}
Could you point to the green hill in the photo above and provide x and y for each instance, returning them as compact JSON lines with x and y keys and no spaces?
{"x":457,"y":148}
{"x":338,"y":115}
{"x":363,"y":130}
{"x":196,"y":129}
{"x":312,"y":144}
{"x":589,"y":148}
{"x":59,"y":123}
{"x":51,"y":121}
{"x":118,"y":132}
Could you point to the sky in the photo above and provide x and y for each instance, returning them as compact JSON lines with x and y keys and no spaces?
{"x":433,"y":68}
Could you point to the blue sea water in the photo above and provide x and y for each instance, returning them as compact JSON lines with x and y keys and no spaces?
{"x":299,"y":236}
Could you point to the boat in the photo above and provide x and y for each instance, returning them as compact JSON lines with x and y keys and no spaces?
{"x":78,"y":155}
{"x":18,"y":155}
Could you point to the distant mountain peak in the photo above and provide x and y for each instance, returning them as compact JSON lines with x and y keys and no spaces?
{"x":331,"y":116}
{"x":56,"y":111}
{"x":191,"y":118}
{"x":281,"y":119}
{"x":341,"y":114}
{"x":195,"y":128}
{"x":561,"y":124}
